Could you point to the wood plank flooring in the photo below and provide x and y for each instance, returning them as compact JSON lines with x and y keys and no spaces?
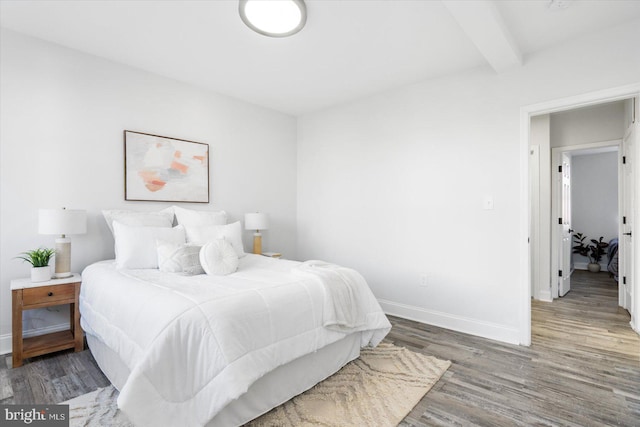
{"x":582,"y":369}
{"x":50,"y":379}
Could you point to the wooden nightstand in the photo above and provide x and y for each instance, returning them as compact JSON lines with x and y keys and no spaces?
{"x":27,"y":296}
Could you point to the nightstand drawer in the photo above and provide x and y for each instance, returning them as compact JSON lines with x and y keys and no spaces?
{"x":47,"y":294}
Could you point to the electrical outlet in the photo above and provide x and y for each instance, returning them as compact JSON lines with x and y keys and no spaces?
{"x":423,"y":280}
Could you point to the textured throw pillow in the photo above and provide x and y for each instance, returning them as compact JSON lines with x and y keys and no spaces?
{"x":136,"y":245}
{"x":203,"y":234}
{"x":163,"y":218}
{"x":179,"y":258}
{"x":218,"y":258}
{"x":199,"y":218}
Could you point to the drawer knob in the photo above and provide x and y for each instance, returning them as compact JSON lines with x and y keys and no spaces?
{"x":50,"y":294}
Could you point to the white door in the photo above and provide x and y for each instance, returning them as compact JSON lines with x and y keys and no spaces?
{"x":564,"y":223}
{"x":625,"y":281}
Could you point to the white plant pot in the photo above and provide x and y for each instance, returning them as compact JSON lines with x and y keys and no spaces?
{"x":40,"y":274}
{"x":593,"y":267}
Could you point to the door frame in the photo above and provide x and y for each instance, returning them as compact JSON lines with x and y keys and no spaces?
{"x":556,"y":155}
{"x":526,"y":112}
{"x":629,"y":304}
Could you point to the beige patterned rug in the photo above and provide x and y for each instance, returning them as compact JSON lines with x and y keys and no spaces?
{"x":378,"y":389}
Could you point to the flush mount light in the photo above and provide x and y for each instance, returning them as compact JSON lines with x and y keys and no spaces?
{"x":274,"y":18}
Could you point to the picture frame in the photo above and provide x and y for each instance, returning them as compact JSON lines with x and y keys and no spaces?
{"x":162,"y":169}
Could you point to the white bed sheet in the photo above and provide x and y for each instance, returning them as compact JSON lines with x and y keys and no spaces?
{"x":194,"y":344}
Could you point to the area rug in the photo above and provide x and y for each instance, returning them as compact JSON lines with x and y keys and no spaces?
{"x":378,"y":389}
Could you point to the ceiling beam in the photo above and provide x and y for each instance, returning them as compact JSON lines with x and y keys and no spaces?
{"x":483,"y":24}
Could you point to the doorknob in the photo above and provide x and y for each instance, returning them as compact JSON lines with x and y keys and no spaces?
{"x":627,"y":234}
{"x":571,"y":231}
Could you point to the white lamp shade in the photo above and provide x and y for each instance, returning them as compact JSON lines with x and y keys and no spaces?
{"x":256,"y":221}
{"x":62,"y":221}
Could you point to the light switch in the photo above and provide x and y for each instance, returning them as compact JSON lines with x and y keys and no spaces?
{"x":487,"y":203}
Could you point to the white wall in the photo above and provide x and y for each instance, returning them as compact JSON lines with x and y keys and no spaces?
{"x":61,"y":144}
{"x":394,"y":184}
{"x":597,"y":123}
{"x":594,"y":197}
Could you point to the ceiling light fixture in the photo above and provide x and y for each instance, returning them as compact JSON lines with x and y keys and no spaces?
{"x":274,"y":18}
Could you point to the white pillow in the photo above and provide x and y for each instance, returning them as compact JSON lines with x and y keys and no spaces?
{"x":179,"y":258}
{"x":136,"y":245}
{"x":204,"y":234}
{"x":218,"y":258}
{"x":199,"y":218}
{"x":163,"y":218}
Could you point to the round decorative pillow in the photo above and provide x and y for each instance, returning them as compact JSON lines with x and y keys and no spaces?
{"x":218,"y":258}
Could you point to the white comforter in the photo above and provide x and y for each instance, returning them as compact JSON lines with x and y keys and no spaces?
{"x":194,"y":344}
{"x":347,"y":297}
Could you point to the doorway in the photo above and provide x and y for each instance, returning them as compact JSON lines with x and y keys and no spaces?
{"x":582,"y":133}
{"x":538,"y":252}
{"x":586,"y":195}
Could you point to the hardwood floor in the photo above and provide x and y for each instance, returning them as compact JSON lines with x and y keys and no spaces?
{"x":582,"y":369}
{"x":50,"y":379}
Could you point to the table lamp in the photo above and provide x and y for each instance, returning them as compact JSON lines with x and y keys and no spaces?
{"x":62,"y":221}
{"x":256,"y":221}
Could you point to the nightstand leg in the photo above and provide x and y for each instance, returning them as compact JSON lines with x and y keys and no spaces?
{"x":16,"y":321}
{"x":74,"y":316}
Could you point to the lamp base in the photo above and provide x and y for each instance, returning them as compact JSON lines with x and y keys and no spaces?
{"x":257,"y":243}
{"x":63,"y":258}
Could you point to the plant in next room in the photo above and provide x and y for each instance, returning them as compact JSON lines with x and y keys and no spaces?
{"x":38,"y":257}
{"x":593,"y":251}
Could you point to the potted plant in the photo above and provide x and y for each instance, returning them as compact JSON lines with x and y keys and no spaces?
{"x":39,"y":260}
{"x":593,"y":251}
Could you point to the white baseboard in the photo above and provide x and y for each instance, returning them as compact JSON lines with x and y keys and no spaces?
{"x":6,"y":343}
{"x":583,"y":266}
{"x":466,"y":325}
{"x":545,"y":296}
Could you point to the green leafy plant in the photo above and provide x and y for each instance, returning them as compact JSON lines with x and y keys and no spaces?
{"x":38,"y":257}
{"x":593,"y":251}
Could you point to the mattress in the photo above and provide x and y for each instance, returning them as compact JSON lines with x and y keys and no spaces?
{"x":189,"y":346}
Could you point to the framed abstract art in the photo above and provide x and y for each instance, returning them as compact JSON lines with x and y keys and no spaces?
{"x":161,"y":169}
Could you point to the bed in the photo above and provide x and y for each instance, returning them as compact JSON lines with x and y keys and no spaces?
{"x":218,"y":350}
{"x":612,"y":255}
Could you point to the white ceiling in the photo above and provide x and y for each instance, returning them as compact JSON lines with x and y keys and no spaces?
{"x":348,"y":49}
